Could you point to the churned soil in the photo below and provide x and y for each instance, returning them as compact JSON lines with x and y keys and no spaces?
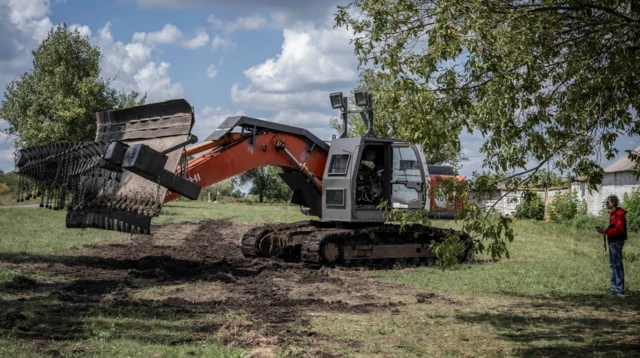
{"x":187,"y":270}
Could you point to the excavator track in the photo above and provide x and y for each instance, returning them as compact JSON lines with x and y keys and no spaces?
{"x":252,"y":239}
{"x":319,"y":243}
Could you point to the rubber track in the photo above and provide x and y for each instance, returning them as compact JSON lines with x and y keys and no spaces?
{"x":311,"y":249}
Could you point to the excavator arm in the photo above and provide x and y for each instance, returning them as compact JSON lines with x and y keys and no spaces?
{"x":120,"y":180}
{"x":236,"y":153}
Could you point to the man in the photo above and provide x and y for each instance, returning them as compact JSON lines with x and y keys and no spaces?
{"x":616,"y":233}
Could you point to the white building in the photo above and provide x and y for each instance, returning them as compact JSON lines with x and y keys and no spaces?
{"x":619,"y":179}
{"x":507,"y":205}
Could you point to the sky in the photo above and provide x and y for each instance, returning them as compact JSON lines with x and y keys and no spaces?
{"x":276,"y":60}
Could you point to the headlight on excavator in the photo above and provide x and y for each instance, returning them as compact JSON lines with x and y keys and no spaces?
{"x":336,"y":100}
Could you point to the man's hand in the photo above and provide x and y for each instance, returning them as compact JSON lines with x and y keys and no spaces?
{"x":600,"y":230}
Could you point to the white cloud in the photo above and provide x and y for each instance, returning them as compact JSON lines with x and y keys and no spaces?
{"x":30,"y":17}
{"x":220,"y":42}
{"x":23,"y":25}
{"x":251,"y":22}
{"x":200,"y":39}
{"x":7,"y":162}
{"x":154,"y":80}
{"x":255,"y":98}
{"x":168,"y":35}
{"x":211,"y":71}
{"x":83,"y":29}
{"x":310,"y":58}
{"x":131,"y":68}
{"x":171,"y":35}
{"x":316,"y":122}
{"x":209,"y":118}
{"x":315,"y":60}
{"x":294,"y":86}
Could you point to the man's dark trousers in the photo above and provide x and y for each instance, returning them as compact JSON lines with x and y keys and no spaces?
{"x":617,"y":270}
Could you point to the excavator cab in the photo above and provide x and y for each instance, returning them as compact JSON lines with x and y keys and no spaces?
{"x":366,"y":172}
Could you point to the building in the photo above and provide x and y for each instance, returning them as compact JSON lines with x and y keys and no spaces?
{"x":619,"y":179}
{"x":506,"y":202}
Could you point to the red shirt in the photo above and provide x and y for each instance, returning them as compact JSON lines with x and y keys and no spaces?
{"x":617,"y":220}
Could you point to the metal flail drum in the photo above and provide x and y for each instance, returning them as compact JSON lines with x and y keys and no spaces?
{"x":96,"y":192}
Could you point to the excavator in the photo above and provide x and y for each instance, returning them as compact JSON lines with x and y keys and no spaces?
{"x":139,"y":161}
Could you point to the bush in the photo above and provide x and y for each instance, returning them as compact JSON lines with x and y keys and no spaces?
{"x":11,"y":180}
{"x":565,"y":207}
{"x":4,"y":189}
{"x":587,"y":222}
{"x":531,"y":207}
{"x":248,"y":201}
{"x":631,"y":203}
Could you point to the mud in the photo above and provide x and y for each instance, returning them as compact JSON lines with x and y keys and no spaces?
{"x":184,"y":271}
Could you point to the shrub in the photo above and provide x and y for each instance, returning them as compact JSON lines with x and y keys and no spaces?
{"x":587,"y":222}
{"x":631,"y":203}
{"x":248,"y":201}
{"x":565,"y":207}
{"x":4,"y":189}
{"x":531,"y":207}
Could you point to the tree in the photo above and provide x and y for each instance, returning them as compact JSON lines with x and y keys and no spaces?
{"x":531,"y":207}
{"x":389,"y":119}
{"x":223,"y":188}
{"x":542,"y":81}
{"x":57,"y":100}
{"x":265,"y":183}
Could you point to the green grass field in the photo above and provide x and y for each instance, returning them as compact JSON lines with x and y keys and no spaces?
{"x":548,"y":299}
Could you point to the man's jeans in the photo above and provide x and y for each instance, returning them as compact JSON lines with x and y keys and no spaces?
{"x":617,"y":270}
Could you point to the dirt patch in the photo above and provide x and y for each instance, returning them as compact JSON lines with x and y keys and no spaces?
{"x":184,"y":271}
{"x":21,"y":282}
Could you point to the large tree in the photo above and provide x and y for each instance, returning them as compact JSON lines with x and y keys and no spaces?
{"x":56,"y":101}
{"x":545,"y":82}
{"x":265,"y":183}
{"x":541,"y":80}
{"x":389,"y":120}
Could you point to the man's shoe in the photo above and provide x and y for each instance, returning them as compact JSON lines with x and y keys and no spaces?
{"x":620,"y":294}
{"x":612,"y":293}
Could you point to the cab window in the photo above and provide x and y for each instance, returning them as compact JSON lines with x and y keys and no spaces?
{"x":339,"y":164}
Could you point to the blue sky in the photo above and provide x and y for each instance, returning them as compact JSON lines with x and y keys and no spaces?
{"x":276,"y":60}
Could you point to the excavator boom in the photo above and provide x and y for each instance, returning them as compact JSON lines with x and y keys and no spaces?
{"x":249,"y":151}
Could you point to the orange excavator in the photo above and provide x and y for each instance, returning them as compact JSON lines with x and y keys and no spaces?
{"x":120,"y":180}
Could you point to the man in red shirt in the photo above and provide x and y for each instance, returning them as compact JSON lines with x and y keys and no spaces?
{"x":616,"y":234}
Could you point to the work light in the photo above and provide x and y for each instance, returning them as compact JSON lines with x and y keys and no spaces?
{"x":336,"y":100}
{"x":361,"y":97}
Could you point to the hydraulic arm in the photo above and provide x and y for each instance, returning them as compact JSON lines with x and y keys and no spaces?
{"x":267,"y":144}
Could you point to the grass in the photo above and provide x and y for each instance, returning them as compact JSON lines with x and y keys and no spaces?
{"x":547,"y":259}
{"x":10,"y":200}
{"x":256,"y":213}
{"x":548,"y":299}
{"x":37,"y":230}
